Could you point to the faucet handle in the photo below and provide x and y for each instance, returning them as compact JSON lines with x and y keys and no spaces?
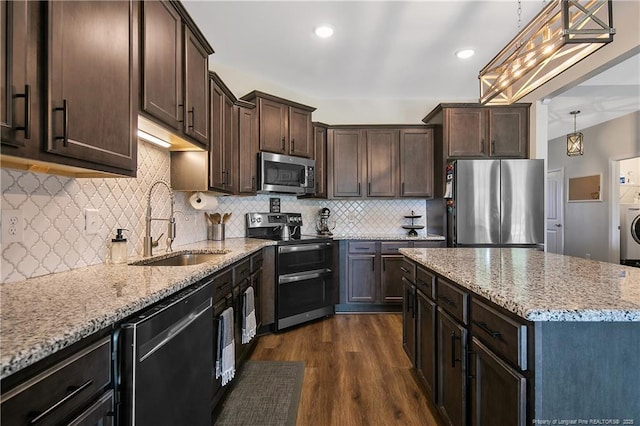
{"x":157,"y":241}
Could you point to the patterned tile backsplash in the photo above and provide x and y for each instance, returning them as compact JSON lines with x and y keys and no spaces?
{"x":53,"y":207}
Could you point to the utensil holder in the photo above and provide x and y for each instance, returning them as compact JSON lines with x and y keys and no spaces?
{"x":215,"y":232}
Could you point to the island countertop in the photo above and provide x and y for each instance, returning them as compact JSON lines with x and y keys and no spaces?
{"x":539,"y":286}
{"x":42,"y":315}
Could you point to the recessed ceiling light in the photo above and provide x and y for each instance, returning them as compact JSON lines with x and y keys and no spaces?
{"x":323,"y":31}
{"x":465,"y":53}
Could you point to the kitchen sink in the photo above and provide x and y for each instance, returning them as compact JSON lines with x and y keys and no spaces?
{"x":181,"y":259}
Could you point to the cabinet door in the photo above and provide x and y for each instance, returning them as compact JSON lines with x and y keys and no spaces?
{"x":273,"y":126}
{"x":409,"y":319}
{"x":18,"y":92}
{"x":247,"y":151}
{"x":382,"y":163}
{"x":452,"y":374}
{"x":93,"y":82}
{"x":216,"y":149}
{"x":196,"y":75}
{"x":229,"y":133}
{"x":361,"y":280}
{"x":345,"y":161}
{"x":465,"y":132}
{"x":509,"y":132}
{"x":391,"y":279}
{"x":498,"y":392}
{"x":416,"y":163}
{"x":320,"y":150}
{"x":162,"y":63}
{"x":300,"y":139}
{"x":426,"y":342}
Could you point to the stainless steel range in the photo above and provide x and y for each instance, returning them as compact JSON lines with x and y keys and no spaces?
{"x":304,"y":267}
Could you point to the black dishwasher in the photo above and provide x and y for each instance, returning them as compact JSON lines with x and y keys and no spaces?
{"x":166,"y":363}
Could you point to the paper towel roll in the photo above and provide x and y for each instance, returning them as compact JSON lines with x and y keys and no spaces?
{"x":203,"y":201}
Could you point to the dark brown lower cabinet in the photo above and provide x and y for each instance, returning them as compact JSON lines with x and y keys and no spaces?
{"x":498,"y":393}
{"x":409,"y":319}
{"x":390,"y":278}
{"x":452,"y":370}
{"x":426,"y":342}
{"x":362,"y":278}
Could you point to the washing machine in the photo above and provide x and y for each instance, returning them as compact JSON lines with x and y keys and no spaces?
{"x":629,"y":232}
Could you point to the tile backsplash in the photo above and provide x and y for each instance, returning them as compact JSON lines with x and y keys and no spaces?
{"x":53,"y":207}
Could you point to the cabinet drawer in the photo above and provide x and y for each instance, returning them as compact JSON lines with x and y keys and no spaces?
{"x":222,"y":285}
{"x":392,"y":247}
{"x":453,"y":300}
{"x":408,"y":270}
{"x":100,"y":412}
{"x":256,"y":261}
{"x":503,"y":334}
{"x":429,"y":244}
{"x":242,"y":271}
{"x":362,"y":247}
{"x":425,"y":281}
{"x":51,"y":396}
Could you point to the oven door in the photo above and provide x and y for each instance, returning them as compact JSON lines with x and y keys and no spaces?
{"x":304,"y":297}
{"x":304,"y":257}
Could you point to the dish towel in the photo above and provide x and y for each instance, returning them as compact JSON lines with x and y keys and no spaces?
{"x":226,"y":353}
{"x":248,"y":316}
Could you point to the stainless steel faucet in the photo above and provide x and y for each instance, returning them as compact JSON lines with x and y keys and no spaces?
{"x":149,"y":244}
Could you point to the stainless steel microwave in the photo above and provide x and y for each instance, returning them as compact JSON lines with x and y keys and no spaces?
{"x":285,"y":174}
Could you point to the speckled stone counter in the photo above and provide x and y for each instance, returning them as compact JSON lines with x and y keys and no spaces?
{"x":540,"y":286}
{"x":42,"y":315}
{"x":401,"y":237}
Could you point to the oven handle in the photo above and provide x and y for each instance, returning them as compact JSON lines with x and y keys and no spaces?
{"x":304,"y":276}
{"x":303,"y":247}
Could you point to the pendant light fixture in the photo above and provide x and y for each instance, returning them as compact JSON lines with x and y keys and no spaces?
{"x":562,"y":34}
{"x":575,"y":140}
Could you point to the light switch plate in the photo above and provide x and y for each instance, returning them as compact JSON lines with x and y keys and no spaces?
{"x":91,"y":221}
{"x":12,"y":226}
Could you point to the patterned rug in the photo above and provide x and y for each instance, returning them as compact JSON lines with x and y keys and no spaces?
{"x":266,"y":393}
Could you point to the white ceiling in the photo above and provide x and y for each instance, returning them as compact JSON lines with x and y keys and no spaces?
{"x":381,"y":49}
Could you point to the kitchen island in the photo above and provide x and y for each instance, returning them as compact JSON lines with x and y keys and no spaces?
{"x":563,"y":333}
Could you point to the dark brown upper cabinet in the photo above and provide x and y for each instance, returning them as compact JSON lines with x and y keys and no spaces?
{"x":174,"y":71}
{"x":416,"y":163}
{"x":230,"y":165}
{"x":345,"y":154}
{"x":72,"y":90}
{"x":284,"y":126}
{"x":475,"y":131}
{"x":320,"y":155}
{"x":380,"y":162}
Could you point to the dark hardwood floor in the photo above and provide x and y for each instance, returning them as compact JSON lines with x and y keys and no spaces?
{"x":356,"y":371}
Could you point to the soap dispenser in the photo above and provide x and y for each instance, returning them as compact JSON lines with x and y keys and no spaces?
{"x":119,"y":248}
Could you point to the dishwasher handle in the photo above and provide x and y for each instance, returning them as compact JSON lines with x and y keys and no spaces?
{"x":149,"y":348}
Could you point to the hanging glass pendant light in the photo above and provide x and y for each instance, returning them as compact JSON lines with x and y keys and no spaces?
{"x":562,"y":34}
{"x":575,"y":140}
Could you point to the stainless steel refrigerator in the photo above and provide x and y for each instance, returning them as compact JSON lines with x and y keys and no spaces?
{"x":496,"y":203}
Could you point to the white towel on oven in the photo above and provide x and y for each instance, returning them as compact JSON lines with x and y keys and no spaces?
{"x":226,"y":353}
{"x":248,"y":316}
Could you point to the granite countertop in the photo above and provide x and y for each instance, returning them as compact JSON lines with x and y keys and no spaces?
{"x":540,"y":286}
{"x":393,"y":237}
{"x":43,"y":315}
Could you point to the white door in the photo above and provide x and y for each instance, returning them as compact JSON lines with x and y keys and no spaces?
{"x":555,"y":205}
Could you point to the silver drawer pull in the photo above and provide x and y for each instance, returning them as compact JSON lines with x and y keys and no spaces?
{"x":485,"y":327}
{"x":74,"y":390}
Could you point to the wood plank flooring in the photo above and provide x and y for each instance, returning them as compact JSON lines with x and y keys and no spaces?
{"x":356,"y":371}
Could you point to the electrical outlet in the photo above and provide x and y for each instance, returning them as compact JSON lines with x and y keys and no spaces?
{"x":12,"y":226}
{"x":588,"y":255}
{"x":91,"y":221}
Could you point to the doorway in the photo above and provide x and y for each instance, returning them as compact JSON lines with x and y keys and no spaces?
{"x":628,"y":206}
{"x":555,"y":211}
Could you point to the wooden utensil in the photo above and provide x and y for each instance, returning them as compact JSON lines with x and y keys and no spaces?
{"x":216,"y":218}
{"x":226,"y":217}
